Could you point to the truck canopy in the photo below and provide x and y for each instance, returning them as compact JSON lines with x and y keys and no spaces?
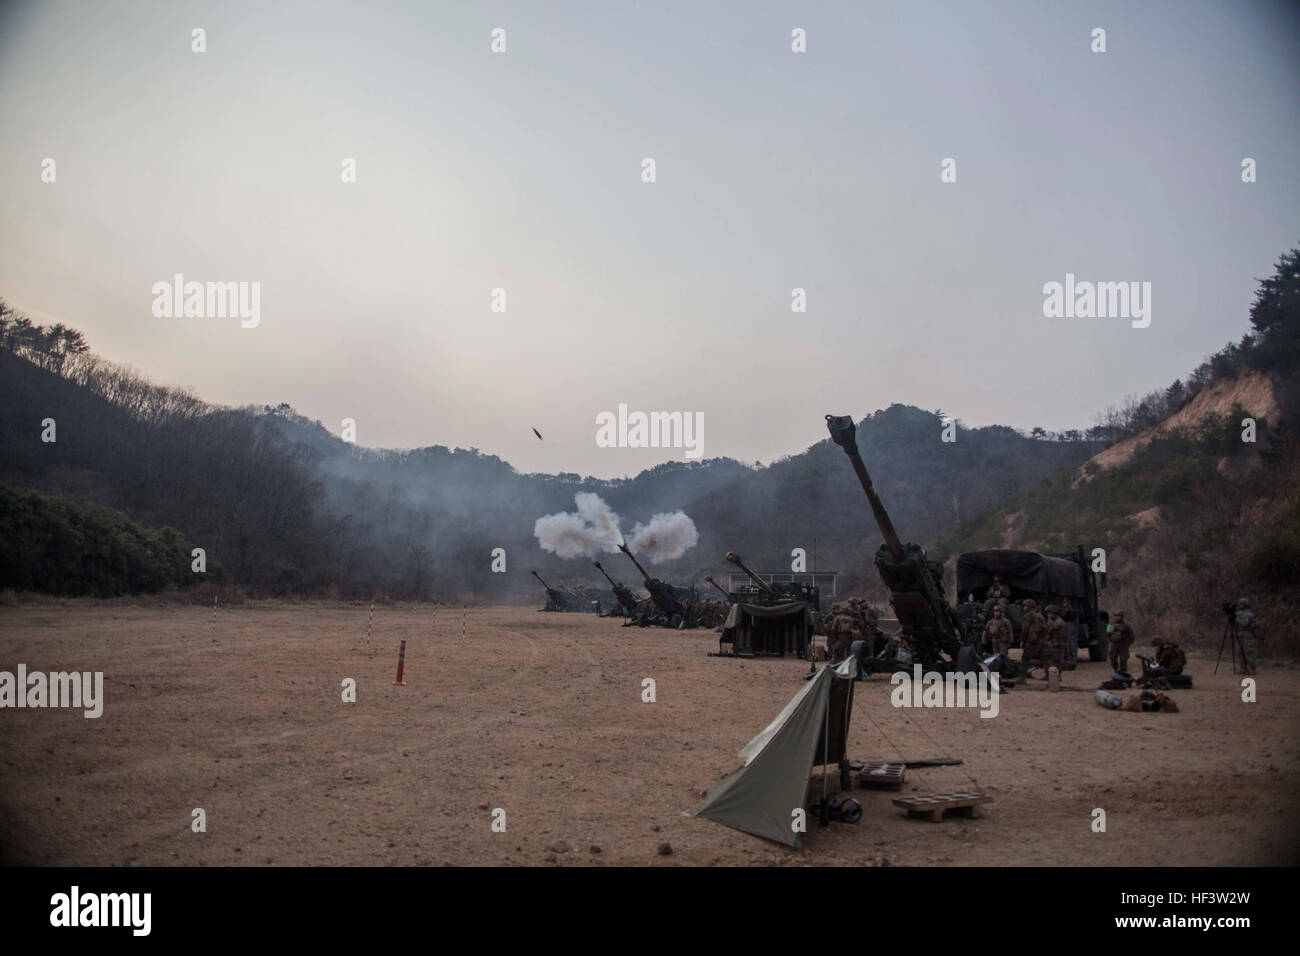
{"x":1025,"y":570}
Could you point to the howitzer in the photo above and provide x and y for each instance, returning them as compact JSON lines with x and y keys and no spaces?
{"x":929,"y":625}
{"x":777,"y":592}
{"x":763,"y":586}
{"x":624,"y":595}
{"x":555,"y":600}
{"x":719,"y":587}
{"x":665,"y":600}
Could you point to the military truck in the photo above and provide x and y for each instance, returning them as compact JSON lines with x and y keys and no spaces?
{"x":1066,"y":580}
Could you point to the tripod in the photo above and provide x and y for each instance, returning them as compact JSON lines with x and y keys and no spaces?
{"x":1229,"y":634}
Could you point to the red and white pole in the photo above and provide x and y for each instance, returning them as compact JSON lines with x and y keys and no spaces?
{"x":370,"y":623}
{"x":401,"y":663}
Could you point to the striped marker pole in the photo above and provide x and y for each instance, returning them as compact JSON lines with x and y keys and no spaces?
{"x":401,"y":663}
{"x":370,"y":623}
{"x":464,"y":613}
{"x":214,"y":610}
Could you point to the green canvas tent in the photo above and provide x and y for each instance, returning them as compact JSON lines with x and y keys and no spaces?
{"x":760,"y":796}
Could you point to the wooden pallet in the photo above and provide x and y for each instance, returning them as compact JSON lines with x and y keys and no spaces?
{"x":884,"y":776}
{"x":935,"y":805}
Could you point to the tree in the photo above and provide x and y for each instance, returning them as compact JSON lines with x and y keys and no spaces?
{"x":1277,"y":300}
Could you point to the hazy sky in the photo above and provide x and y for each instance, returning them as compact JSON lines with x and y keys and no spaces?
{"x":522,"y":171}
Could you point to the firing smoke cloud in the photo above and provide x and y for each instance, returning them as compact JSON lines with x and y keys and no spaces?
{"x":667,"y":536}
{"x":595,"y":528}
{"x":583,"y":535}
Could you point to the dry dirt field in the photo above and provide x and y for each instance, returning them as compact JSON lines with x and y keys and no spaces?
{"x":541,"y":714}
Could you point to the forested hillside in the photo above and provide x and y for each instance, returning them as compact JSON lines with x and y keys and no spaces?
{"x":288,"y":508}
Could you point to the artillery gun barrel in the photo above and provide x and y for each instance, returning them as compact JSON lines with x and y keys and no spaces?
{"x":763,"y":586}
{"x":539,"y":577}
{"x":844,"y":433}
{"x":607,"y":577}
{"x":718,"y":586}
{"x":623,"y":548}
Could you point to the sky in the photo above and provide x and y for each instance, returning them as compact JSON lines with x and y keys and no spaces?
{"x":522,"y":170}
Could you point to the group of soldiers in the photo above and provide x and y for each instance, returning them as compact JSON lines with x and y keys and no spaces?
{"x":1046,"y":637}
{"x":854,"y":620}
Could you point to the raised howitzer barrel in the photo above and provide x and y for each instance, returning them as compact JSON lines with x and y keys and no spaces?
{"x":623,"y":594}
{"x":844,"y":433}
{"x":719,"y":587}
{"x":660,"y":593}
{"x":623,"y":548}
{"x":612,"y":583}
{"x":539,"y":577}
{"x":927,"y":620}
{"x":763,"y":586}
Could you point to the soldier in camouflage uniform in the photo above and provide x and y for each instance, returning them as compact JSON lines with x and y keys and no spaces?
{"x":997,"y":594}
{"x":1032,"y":633}
{"x":1121,"y":639}
{"x":841,"y":631}
{"x":997,"y":632}
{"x":1170,"y":658}
{"x":1245,"y":625}
{"x":1057,"y":639}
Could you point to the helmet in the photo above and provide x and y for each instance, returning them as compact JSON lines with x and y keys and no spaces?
{"x":1052,"y":609}
{"x":1244,"y":601}
{"x":835,"y":609}
{"x":1029,"y":602}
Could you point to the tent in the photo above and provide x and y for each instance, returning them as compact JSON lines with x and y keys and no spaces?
{"x":760,"y":796}
{"x":776,"y":629}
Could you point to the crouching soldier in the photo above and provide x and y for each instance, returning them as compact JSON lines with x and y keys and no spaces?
{"x":1121,"y":639}
{"x":1170,"y":658}
{"x":1057,"y":639}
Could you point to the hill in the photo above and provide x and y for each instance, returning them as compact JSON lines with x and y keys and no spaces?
{"x":289,"y":508}
{"x":1200,"y":507}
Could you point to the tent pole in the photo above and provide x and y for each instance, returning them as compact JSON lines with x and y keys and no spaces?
{"x":826,"y":746}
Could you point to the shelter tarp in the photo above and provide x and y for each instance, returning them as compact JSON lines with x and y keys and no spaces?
{"x":760,"y":796}
{"x":768,"y":628}
{"x":1027,"y":570}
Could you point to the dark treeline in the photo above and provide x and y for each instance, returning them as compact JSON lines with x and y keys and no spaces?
{"x":57,"y":545}
{"x":288,"y":508}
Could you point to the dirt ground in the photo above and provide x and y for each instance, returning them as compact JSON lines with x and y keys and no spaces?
{"x":541,"y":715}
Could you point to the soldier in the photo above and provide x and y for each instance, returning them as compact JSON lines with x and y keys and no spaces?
{"x":1057,"y":638}
{"x":1032,"y":632}
{"x":841,"y":632}
{"x":997,"y":594}
{"x":1245,"y":625}
{"x":1170,"y":658}
{"x":998,"y":632}
{"x":1121,"y":640}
